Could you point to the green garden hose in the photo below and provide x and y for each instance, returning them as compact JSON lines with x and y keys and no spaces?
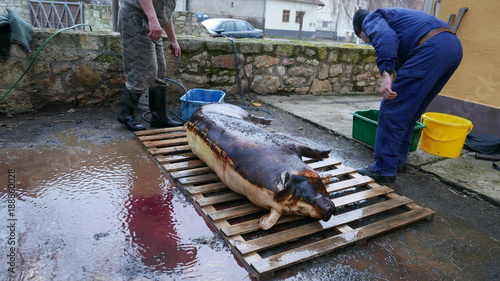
{"x":36,"y":54}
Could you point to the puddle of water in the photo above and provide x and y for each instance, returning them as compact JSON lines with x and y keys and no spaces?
{"x":87,"y":212}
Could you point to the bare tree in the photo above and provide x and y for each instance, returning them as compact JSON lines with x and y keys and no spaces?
{"x":300,"y":16}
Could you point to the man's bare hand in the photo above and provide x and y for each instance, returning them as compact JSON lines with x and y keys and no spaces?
{"x":386,"y":87}
{"x":175,"y":49}
{"x":155,"y":30}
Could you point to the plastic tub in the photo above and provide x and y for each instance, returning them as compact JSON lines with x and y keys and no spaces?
{"x":195,"y":98}
{"x":365,"y":123}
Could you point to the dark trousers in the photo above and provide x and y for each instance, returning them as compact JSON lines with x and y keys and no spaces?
{"x":143,"y":60}
{"x":418,"y":82}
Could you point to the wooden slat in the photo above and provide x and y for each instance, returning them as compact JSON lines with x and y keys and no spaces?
{"x":235,"y":212}
{"x":340,"y":171}
{"x":183,"y":165}
{"x":162,"y":159}
{"x":192,"y":172}
{"x":323,"y":246}
{"x":324,"y":163}
{"x":341,"y":185}
{"x":218,"y":199}
{"x":165,"y":143}
{"x":149,"y":138}
{"x":361,"y":196}
{"x":168,"y":150}
{"x":253,"y":225}
{"x":206,"y":188}
{"x":158,"y":131}
{"x":199,"y":179}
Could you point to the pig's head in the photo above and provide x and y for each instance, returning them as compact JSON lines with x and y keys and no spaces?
{"x":304,"y":194}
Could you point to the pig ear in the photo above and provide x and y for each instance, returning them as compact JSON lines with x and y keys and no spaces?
{"x":285,"y":178}
{"x":269,"y":220}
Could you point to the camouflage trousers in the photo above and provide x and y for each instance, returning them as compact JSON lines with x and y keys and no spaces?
{"x":143,"y":60}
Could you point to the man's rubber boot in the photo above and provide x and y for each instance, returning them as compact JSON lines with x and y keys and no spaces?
{"x":127,"y":112}
{"x":367,"y":171}
{"x":157,"y":106}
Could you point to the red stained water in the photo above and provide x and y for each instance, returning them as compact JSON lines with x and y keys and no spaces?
{"x":104,"y":212}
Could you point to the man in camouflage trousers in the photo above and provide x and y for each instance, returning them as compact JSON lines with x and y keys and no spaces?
{"x":141,"y":25}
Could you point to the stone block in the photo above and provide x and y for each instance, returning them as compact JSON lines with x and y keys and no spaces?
{"x":265,"y":84}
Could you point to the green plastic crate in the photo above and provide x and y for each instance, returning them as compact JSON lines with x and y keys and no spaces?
{"x":364,"y":128}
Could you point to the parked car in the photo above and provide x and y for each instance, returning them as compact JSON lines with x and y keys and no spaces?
{"x":234,"y":28}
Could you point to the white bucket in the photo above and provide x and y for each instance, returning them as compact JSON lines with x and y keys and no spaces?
{"x":144,"y":102}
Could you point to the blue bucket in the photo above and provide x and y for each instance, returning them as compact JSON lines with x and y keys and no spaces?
{"x":195,"y":98}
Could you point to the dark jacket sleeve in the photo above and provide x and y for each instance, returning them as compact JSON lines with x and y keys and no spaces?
{"x":384,"y":40}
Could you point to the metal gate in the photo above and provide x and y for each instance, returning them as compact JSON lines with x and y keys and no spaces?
{"x":56,"y":15}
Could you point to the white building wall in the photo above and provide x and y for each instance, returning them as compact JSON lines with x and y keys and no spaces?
{"x":223,"y":8}
{"x":180,"y":5}
{"x":274,"y":15}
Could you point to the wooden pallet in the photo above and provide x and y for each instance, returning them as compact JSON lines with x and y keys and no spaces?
{"x":366,"y":209}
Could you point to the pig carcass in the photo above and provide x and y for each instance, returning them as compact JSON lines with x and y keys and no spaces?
{"x":265,"y":167}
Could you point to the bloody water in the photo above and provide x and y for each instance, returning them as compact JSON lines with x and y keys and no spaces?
{"x":102,"y":212}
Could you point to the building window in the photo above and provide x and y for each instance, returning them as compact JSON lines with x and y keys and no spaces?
{"x":286,"y":16}
{"x":298,"y":16}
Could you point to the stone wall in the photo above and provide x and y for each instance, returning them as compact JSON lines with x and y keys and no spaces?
{"x":75,"y":68}
{"x":278,"y":67}
{"x":20,"y":7}
{"x":186,"y":23}
{"x":99,"y":17}
{"x":82,"y":68}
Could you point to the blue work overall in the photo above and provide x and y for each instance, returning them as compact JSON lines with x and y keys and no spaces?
{"x":421,"y":73}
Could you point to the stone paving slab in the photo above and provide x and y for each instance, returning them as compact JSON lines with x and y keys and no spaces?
{"x":473,"y":174}
{"x":332,"y":111}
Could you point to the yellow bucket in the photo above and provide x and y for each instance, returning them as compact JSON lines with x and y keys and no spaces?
{"x":444,"y":134}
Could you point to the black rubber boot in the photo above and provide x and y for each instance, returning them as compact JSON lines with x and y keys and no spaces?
{"x":127,"y":112}
{"x":157,"y":106}
{"x":367,"y":171}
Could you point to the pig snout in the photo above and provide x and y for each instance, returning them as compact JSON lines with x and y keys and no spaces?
{"x":326,"y":206}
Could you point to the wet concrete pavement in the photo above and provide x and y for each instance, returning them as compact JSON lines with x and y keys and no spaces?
{"x":91,"y":204}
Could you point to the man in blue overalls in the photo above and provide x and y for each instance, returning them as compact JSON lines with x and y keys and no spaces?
{"x":424,"y":53}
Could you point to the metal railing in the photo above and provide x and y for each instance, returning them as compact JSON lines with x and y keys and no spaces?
{"x":56,"y":15}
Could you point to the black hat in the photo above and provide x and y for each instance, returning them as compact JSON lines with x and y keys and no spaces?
{"x":357,"y":20}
